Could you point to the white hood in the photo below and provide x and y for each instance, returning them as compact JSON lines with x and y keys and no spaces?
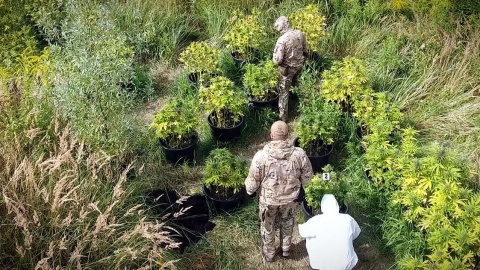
{"x":330,"y":237}
{"x":329,"y":205}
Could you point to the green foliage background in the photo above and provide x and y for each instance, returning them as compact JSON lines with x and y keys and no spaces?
{"x":86,"y":66}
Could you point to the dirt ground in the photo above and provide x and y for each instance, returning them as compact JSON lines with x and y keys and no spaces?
{"x":369,"y":258}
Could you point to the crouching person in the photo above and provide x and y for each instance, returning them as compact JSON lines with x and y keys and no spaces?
{"x":278,"y":171}
{"x":330,"y":237}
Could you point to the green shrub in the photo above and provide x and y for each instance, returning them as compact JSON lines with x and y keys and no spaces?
{"x":202,"y":58}
{"x":345,"y":81}
{"x":176,"y":122}
{"x":372,"y":108}
{"x":224,"y":171}
{"x":224,"y":101}
{"x":16,"y":35}
{"x":311,"y":22}
{"x":261,"y":80}
{"x":318,"y":187}
{"x":319,"y":123}
{"x":92,"y":65}
{"x":244,"y":33}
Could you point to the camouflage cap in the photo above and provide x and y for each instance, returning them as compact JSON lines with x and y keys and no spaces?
{"x":279,"y":131}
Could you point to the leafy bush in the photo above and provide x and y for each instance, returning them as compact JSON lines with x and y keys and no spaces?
{"x":175,"y":123}
{"x":17,"y":35}
{"x":372,"y":108}
{"x":345,"y":81}
{"x":435,"y":198}
{"x":319,"y":121}
{"x":221,"y":99}
{"x":311,"y":22}
{"x":202,"y":58}
{"x":261,"y":80}
{"x":318,"y":187}
{"x":224,"y":171}
{"x":92,"y":65}
{"x":244,"y":33}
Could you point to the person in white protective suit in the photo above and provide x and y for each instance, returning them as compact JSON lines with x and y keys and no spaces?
{"x":330,"y":237}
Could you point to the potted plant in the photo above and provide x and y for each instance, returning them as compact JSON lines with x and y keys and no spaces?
{"x":320,"y":185}
{"x":225,"y":105}
{"x":345,"y":83}
{"x":318,"y":130}
{"x":261,"y":84}
{"x":244,"y":36}
{"x":201,"y":61}
{"x":223,"y":179}
{"x":174,"y":126}
{"x":311,"y":22}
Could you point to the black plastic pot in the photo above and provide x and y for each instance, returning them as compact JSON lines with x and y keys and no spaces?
{"x":366,"y":174}
{"x":308,"y":211}
{"x":180,"y":156}
{"x":223,"y":205}
{"x":318,"y":162}
{"x":273,"y":103}
{"x":360,"y":131}
{"x":225,"y":134}
{"x":193,"y":78}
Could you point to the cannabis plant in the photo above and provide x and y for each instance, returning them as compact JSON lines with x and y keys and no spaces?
{"x":225,"y":103}
{"x":345,"y":82}
{"x":311,"y":22}
{"x":175,"y":123}
{"x":245,"y":33}
{"x":224,"y":172}
{"x":261,"y":80}
{"x":201,"y":58}
{"x":318,"y":187}
{"x":319,"y":124}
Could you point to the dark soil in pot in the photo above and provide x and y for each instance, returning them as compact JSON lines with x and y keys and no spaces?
{"x":187,"y":218}
{"x":308,"y":211}
{"x":180,"y":155}
{"x":319,"y":157}
{"x":225,"y":134}
{"x":224,"y":202}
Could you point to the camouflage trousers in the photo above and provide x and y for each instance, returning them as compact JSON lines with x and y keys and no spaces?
{"x":273,"y":217}
{"x":285,"y":82}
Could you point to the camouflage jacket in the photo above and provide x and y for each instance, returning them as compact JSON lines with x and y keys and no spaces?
{"x":278,"y":171}
{"x":290,"y":49}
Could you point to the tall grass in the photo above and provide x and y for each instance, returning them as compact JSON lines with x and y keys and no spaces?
{"x":67,"y":206}
{"x":156,"y":29}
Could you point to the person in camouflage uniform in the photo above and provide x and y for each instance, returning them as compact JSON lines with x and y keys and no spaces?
{"x":278,"y":171}
{"x":289,"y":55}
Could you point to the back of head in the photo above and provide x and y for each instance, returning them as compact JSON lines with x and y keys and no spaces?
{"x":279,"y":131}
{"x":282,"y":24}
{"x":329,"y":204}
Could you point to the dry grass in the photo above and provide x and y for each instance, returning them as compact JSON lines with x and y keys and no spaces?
{"x":66,"y":206}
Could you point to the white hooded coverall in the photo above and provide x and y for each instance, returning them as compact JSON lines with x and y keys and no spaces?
{"x":330,"y":237}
